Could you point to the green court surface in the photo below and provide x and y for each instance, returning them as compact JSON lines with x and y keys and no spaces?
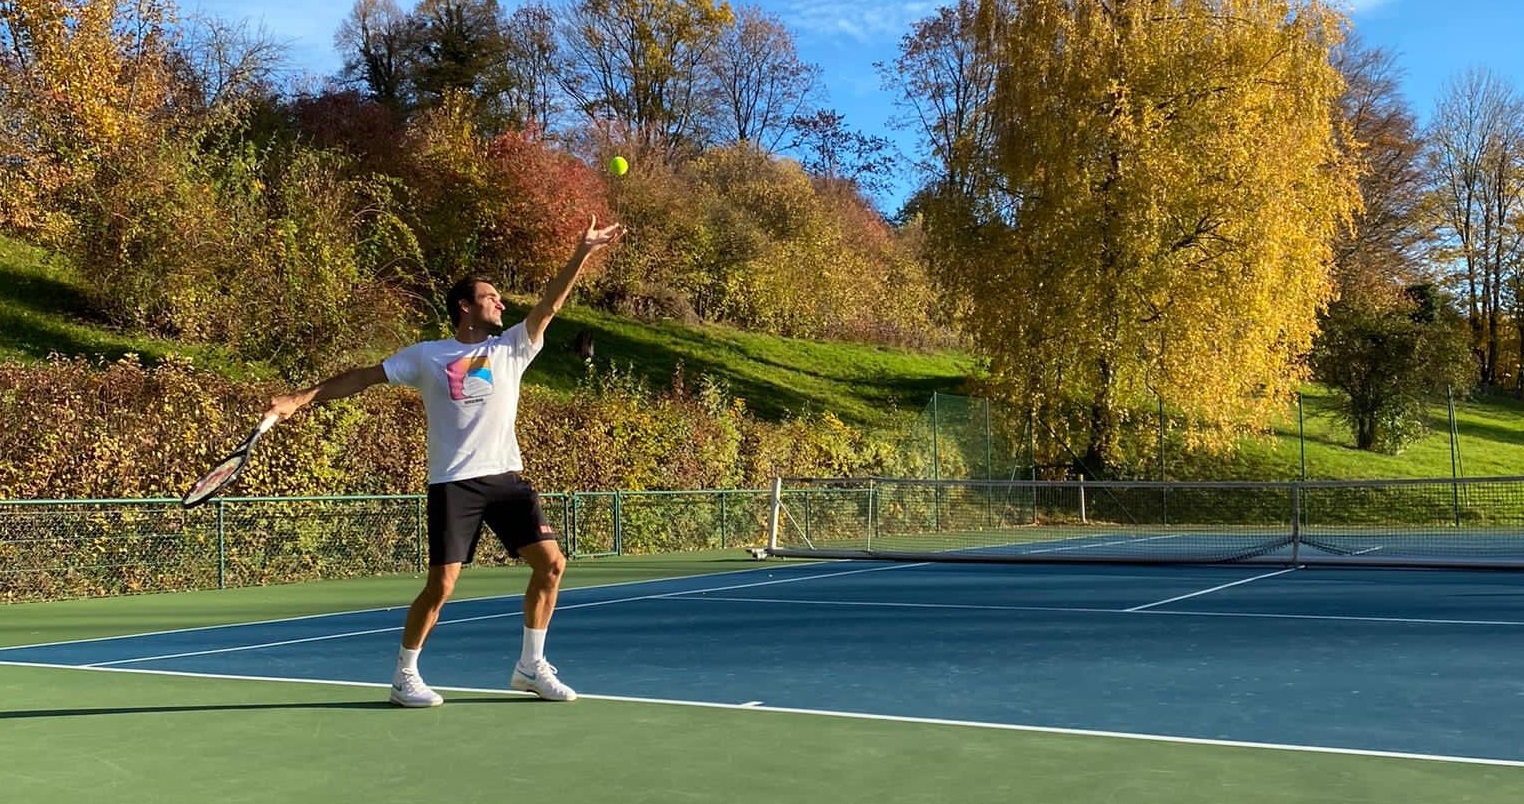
{"x":76,"y":735}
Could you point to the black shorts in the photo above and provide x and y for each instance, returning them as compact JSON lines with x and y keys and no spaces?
{"x":507,"y":503}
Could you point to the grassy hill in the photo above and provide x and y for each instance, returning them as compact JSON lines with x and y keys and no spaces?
{"x":41,"y":304}
{"x":42,"y":311}
{"x":1489,"y":443}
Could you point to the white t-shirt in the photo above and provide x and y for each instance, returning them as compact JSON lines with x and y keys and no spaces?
{"x":471,"y":394}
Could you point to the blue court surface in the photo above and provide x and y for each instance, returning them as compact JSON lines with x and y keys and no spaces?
{"x":1419,"y":662}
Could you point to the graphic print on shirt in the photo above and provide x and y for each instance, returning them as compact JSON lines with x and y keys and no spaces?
{"x":470,"y":378}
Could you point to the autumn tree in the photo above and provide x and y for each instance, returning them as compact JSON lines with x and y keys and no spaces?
{"x":1388,"y":363}
{"x":374,"y":43}
{"x":1476,"y":159}
{"x":643,"y":63}
{"x":837,"y":153}
{"x":528,"y":95}
{"x":1378,"y":255}
{"x":547,"y":197}
{"x":944,"y":79}
{"x":80,"y":82}
{"x":1173,"y":181}
{"x":761,"y":81}
{"x":454,"y":47}
{"x":229,"y":64}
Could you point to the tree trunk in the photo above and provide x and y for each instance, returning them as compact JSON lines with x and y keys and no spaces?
{"x":1365,"y":432}
{"x":1101,"y":454}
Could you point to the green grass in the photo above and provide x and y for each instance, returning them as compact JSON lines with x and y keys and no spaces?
{"x":43,"y":311}
{"x":1489,"y":443}
{"x":775,"y":376}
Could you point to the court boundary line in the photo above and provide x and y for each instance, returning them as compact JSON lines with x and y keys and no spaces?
{"x":695,"y":595}
{"x":1216,"y":588}
{"x":477,"y":618}
{"x":300,"y":617}
{"x":704,"y":594}
{"x":762,"y":707}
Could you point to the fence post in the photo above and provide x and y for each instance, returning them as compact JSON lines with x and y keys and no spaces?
{"x":1301,"y":435}
{"x":222,"y":547}
{"x":936,"y":465}
{"x":723,"y":540}
{"x":872,"y":511}
{"x":418,"y":533}
{"x":618,"y":526}
{"x":1296,"y":522}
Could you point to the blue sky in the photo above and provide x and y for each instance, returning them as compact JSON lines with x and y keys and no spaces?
{"x":1434,"y":41}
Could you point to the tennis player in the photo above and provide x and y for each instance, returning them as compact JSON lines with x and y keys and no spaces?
{"x":470,"y":389}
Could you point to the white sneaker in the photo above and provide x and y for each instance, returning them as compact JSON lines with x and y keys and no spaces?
{"x":541,"y":680}
{"x":409,"y":690}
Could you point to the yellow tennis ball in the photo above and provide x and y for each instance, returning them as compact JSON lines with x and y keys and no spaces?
{"x":618,"y":166}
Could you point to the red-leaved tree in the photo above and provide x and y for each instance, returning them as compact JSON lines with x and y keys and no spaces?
{"x":548,"y":197}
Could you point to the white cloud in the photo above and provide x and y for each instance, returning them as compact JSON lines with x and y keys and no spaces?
{"x":864,"y":22}
{"x":1364,"y":6}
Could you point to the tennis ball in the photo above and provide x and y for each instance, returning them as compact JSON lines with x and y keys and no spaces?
{"x":618,"y":166}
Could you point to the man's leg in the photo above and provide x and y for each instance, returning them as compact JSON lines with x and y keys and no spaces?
{"x":424,"y":613}
{"x":408,"y":688}
{"x":533,"y":673}
{"x":548,"y":564}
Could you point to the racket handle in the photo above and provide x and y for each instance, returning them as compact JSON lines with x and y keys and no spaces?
{"x":267,"y":422}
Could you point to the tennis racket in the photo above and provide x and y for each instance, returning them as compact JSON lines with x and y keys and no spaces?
{"x":228,"y":470}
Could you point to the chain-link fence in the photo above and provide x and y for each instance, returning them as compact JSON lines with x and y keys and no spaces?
{"x":56,"y":549}
{"x":1396,"y":523}
{"x":963,"y":437}
{"x":970,"y":438}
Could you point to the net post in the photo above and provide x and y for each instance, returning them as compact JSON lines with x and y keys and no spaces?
{"x":773,"y":516}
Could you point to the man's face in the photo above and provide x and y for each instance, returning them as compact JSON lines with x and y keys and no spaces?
{"x":486,"y":309}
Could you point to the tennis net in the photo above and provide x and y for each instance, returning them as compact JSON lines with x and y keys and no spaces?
{"x":1468,"y":522}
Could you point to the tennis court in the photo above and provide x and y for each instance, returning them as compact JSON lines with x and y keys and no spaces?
{"x":713,"y":678}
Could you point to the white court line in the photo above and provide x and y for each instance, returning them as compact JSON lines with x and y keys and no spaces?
{"x":757,"y":707}
{"x":498,"y":615}
{"x":893,"y":605}
{"x":1084,"y":610}
{"x":298,"y":618}
{"x":1103,"y":544}
{"x":1213,"y":589}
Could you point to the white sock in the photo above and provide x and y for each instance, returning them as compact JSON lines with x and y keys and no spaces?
{"x":534,"y":646}
{"x":408,"y":660}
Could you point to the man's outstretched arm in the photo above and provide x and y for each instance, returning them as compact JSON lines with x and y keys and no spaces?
{"x":338,"y":386}
{"x":561,"y":284}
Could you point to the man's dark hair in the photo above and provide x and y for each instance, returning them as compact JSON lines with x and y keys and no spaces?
{"x":464,"y":290}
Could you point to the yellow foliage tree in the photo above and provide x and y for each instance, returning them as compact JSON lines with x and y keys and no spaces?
{"x":1172,"y":181}
{"x":82,"y":80}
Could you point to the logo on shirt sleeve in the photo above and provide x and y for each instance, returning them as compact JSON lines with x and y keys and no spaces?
{"x":470,"y":378}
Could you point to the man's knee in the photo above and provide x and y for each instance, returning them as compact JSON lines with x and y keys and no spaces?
{"x":440,"y":586}
{"x":549,"y":563}
{"x":555,"y":566}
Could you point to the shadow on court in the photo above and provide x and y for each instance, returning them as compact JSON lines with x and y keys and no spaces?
{"x":143,"y":710}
